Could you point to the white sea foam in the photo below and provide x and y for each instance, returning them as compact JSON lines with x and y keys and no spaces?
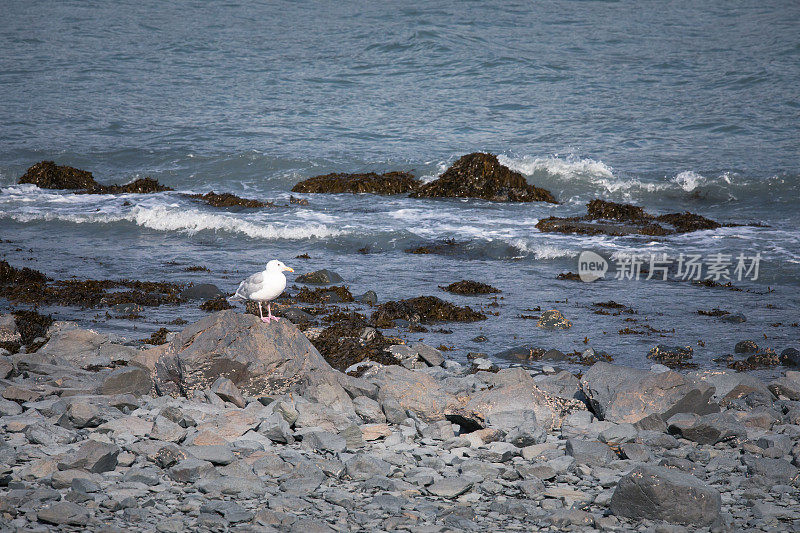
{"x":189,"y":221}
{"x":542,"y":251}
{"x":570,"y":167}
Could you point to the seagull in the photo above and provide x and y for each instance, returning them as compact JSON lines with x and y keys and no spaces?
{"x":264,"y":286}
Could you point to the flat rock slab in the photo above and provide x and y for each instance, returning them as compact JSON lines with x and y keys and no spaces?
{"x":658,"y":493}
{"x":64,"y":513}
{"x":450,"y":487}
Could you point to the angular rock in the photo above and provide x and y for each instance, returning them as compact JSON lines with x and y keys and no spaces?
{"x":324,"y":441}
{"x":93,"y":456}
{"x":48,"y":175}
{"x":658,"y":493}
{"x":587,"y":452}
{"x":410,"y":391}
{"x":127,"y":380}
{"x":192,"y":470}
{"x":622,"y":394}
{"x":707,"y":429}
{"x":225,"y":389}
{"x":85,"y":349}
{"x":166,"y":430}
{"x":363,"y":466}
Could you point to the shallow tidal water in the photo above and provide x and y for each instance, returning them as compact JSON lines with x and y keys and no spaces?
{"x":672,"y":107}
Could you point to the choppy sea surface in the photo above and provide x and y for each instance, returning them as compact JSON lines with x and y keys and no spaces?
{"x":672,"y":106}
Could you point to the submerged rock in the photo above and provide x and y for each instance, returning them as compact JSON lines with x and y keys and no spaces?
{"x":672,"y":356}
{"x":139,"y":186}
{"x":319,"y":277}
{"x":227,"y":200}
{"x":553,"y":319}
{"x":611,"y":218}
{"x":468,"y":287}
{"x":370,"y":182}
{"x":480,"y":175}
{"x":48,"y":175}
{"x":425,"y":310}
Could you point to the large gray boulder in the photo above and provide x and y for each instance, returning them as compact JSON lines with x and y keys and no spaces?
{"x":658,"y":493}
{"x":621,"y":394}
{"x":260,"y":359}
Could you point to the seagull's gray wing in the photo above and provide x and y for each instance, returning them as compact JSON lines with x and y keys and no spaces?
{"x":250,"y":285}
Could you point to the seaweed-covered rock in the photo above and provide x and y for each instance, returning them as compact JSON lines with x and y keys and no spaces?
{"x":616,"y":219}
{"x":601,"y":209}
{"x":370,"y":182}
{"x":480,"y":175}
{"x":468,"y":287}
{"x":423,"y":309}
{"x":325,"y":295}
{"x":220,"y":303}
{"x":350,"y":340}
{"x":553,"y":319}
{"x":686,"y":222}
{"x":227,"y":200}
{"x":319,"y":277}
{"x":48,"y":175}
{"x":672,"y":356}
{"x":139,"y":186}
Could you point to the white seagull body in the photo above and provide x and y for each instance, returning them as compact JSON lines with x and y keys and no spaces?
{"x":264,"y":286}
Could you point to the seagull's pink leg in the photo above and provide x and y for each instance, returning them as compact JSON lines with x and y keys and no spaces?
{"x":261,"y":314}
{"x":270,"y":315}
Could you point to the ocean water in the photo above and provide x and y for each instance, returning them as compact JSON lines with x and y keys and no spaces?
{"x":673,"y":106}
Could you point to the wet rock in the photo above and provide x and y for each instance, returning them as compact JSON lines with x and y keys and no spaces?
{"x":480,"y":175}
{"x":259,"y":359}
{"x":220,"y":303}
{"x":295,"y":315}
{"x":610,"y":218}
{"x":387,"y":183}
{"x":225,"y":389}
{"x":425,"y":310}
{"x":553,"y":319}
{"x":201,"y":291}
{"x":127,"y":380}
{"x":319,"y":277}
{"x":746,"y":347}
{"x":138,"y":186}
{"x":369,"y":298}
{"x":789,"y":357}
{"x":658,"y":493}
{"x":48,"y":175}
{"x":622,"y":394}
{"x":672,"y":356}
{"x":331,"y":295}
{"x":469,"y":288}
{"x":351,"y":340}
{"x":227,"y":200}
{"x":64,"y":513}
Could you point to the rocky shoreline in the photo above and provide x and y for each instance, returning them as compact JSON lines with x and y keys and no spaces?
{"x":234,"y":424}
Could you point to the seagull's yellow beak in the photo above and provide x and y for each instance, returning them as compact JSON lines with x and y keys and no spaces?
{"x":289,"y":269}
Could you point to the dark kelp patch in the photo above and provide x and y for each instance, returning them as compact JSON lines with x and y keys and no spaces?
{"x":370,"y":182}
{"x":425,"y":310}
